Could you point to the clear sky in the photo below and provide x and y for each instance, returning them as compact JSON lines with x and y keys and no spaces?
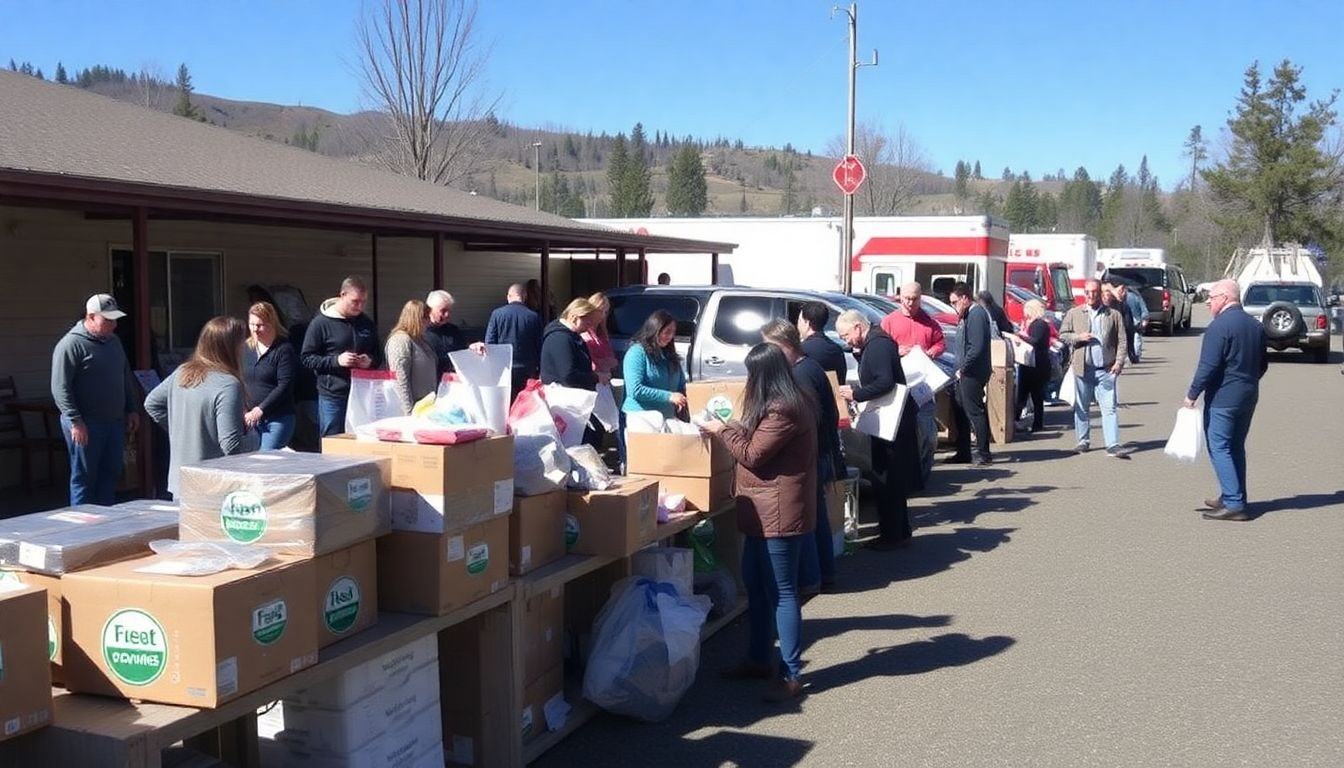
{"x":1035,"y":85}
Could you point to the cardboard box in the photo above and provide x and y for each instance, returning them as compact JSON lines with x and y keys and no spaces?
{"x":393,"y":669}
{"x":79,"y":537}
{"x":678,"y":455}
{"x":1001,"y":405}
{"x":416,"y":741}
{"x":702,"y":493}
{"x":543,"y":633}
{"x":434,"y":573}
{"x":482,"y":691}
{"x":536,"y":531}
{"x":342,"y":730}
{"x":295,"y":503}
{"x":539,"y":696}
{"x":1001,"y":353}
{"x":25,"y":675}
{"x":347,"y":592}
{"x":616,"y":521}
{"x":441,"y":488}
{"x":841,"y":404}
{"x":56,"y":621}
{"x":197,"y":641}
{"x":723,"y":396}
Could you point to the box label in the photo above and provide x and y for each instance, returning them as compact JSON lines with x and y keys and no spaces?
{"x":226,"y":676}
{"x":503,"y":496}
{"x":242,"y":515}
{"x":268,"y":621}
{"x":342,"y":607}
{"x":53,"y":642}
{"x":75,"y":516}
{"x":571,"y":531}
{"x":478,"y":558}
{"x":457,"y":549}
{"x":359,"y":493}
{"x":135,"y":647}
{"x":721,"y":406}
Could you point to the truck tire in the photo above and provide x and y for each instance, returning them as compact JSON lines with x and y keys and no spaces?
{"x":1282,"y":320}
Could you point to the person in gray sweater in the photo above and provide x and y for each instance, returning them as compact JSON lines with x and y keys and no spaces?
{"x":92,"y":387}
{"x":410,"y":357}
{"x":202,"y":403}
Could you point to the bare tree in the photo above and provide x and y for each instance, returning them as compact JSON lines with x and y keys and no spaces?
{"x":151,"y":88}
{"x":421,"y":68}
{"x":897,"y":168}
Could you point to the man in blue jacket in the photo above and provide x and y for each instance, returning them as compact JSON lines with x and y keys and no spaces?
{"x":1231,"y":362}
{"x":517,"y":325}
{"x":973,"y":366}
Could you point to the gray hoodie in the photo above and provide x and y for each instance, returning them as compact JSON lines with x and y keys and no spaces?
{"x":203,"y":422}
{"x":91,"y":378}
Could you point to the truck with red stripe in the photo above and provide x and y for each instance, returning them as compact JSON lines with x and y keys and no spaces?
{"x":1042,"y":259}
{"x":806,"y":252}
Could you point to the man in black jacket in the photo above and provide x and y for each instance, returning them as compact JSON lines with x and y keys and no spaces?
{"x":829,"y":355}
{"x":973,"y":336}
{"x":340,"y":337}
{"x":441,"y":333}
{"x":895,"y":463}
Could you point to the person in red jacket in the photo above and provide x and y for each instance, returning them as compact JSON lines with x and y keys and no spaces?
{"x":775,"y":445}
{"x":910,"y":326}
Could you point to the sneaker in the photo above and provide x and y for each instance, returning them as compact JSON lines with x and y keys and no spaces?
{"x":1116,"y":452}
{"x":782,"y":690}
{"x":1214,"y":502}
{"x":1081,"y":448}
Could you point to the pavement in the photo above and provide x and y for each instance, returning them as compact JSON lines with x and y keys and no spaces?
{"x":1065,"y":610}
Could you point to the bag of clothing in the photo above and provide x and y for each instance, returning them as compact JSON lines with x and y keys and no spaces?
{"x":571,"y":408}
{"x":1186,"y":436}
{"x":373,"y":397}
{"x":1068,"y":388}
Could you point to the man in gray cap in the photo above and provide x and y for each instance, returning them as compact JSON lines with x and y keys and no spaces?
{"x":92,"y":386}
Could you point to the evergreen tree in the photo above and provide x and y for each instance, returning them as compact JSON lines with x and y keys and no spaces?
{"x":60,"y":74}
{"x":1276,"y":177}
{"x":1020,"y":207}
{"x":961,"y":185}
{"x":789,"y":198}
{"x":687,"y":193}
{"x":975,"y":172}
{"x":742,"y":203}
{"x":1008,"y":173}
{"x":184,"y":107}
{"x":12,"y":66}
{"x":1079,"y":208}
{"x":616,"y":171}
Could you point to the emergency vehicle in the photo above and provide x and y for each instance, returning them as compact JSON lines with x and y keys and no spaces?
{"x":1039,"y":259}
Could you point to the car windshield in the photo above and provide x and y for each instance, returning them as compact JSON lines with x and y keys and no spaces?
{"x":1144,"y":277}
{"x":1022,"y":294}
{"x":933,"y":304}
{"x":1063,"y":288}
{"x":1301,"y":295}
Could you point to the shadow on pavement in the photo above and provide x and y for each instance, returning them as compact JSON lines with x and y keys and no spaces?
{"x":1041,"y":454}
{"x":1298,"y":503}
{"x":931,"y":551}
{"x":663,"y":746}
{"x":1140,"y":446}
{"x":914,"y":658}
{"x":816,"y":629}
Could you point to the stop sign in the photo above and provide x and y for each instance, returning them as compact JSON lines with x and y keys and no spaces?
{"x":849,"y":174}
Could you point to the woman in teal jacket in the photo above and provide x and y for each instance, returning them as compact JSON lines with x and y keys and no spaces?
{"x":654,"y":380}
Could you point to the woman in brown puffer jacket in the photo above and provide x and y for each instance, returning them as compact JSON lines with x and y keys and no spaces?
{"x":775,"y":445}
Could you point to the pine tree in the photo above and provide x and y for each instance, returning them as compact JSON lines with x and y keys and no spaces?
{"x":1008,"y":174}
{"x":687,"y":193}
{"x":60,"y":74}
{"x":1079,"y":208}
{"x":742,"y":203}
{"x":975,"y":172}
{"x":184,"y":107}
{"x":1276,"y":177}
{"x":961,"y":185}
{"x":616,"y":170}
{"x":1020,"y":207}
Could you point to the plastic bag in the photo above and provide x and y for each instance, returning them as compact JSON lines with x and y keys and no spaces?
{"x":721,"y":589}
{"x":409,"y":429}
{"x":373,"y":396}
{"x":587,"y":471}
{"x":540,"y":463}
{"x":571,"y":408}
{"x":202,"y":558}
{"x":489,"y":378}
{"x":605,"y":410}
{"x":1187,"y":435}
{"x":1023,"y":353}
{"x":1068,"y":388}
{"x":646,"y":649}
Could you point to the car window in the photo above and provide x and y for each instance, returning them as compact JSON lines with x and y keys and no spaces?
{"x":1023,"y":278}
{"x":1301,"y":295}
{"x":628,"y":313}
{"x":740,"y":319}
{"x":1146,"y":277}
{"x":1063,"y":289}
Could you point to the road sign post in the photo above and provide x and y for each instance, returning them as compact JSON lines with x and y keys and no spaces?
{"x":849,"y":173}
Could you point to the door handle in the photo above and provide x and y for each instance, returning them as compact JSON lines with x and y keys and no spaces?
{"x":713,"y":360}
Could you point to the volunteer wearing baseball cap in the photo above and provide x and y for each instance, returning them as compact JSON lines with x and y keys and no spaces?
{"x":92,"y":386}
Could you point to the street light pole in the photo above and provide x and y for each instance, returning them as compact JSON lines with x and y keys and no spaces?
{"x":536,"y":166}
{"x":847,"y":233}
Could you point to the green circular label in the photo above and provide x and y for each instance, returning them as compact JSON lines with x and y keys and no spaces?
{"x":571,"y":531}
{"x":721,"y":406}
{"x":268,"y":622}
{"x":342,"y":606}
{"x":53,"y":643}
{"x":478,"y":559}
{"x":242,"y":515}
{"x":359,"y":494}
{"x":135,"y":647}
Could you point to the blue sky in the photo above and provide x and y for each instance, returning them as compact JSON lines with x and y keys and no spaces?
{"x":1031,"y":84}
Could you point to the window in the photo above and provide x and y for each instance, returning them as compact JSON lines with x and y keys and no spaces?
{"x":1146,"y":277}
{"x":1025,"y":278}
{"x":1301,"y":295}
{"x":185,"y":290}
{"x":628,"y":313}
{"x":1063,"y":289}
{"x":886,"y":283}
{"x":740,"y":319}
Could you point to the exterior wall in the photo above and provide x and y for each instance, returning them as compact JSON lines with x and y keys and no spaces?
{"x":52,"y":260}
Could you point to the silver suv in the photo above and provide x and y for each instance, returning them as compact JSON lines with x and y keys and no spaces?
{"x":1294,"y":315}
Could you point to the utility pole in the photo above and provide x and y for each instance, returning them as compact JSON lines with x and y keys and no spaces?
{"x":536,"y":166}
{"x":847,"y":233}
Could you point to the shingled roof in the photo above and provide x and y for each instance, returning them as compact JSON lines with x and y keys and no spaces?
{"x":60,"y":142}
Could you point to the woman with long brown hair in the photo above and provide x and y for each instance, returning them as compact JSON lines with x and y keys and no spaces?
{"x":270,"y":368}
{"x":201,"y":403}
{"x":410,"y":357}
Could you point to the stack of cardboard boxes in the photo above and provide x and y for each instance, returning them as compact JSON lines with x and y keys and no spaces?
{"x":25,"y":675}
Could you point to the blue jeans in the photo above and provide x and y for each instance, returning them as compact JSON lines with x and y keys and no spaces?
{"x":330,"y":415}
{"x":276,"y":433}
{"x":927,"y":420}
{"x":1101,"y":385}
{"x":817,"y":565}
{"x":1225,"y":431}
{"x":770,"y":573}
{"x":96,"y":466}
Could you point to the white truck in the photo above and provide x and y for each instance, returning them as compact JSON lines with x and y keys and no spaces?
{"x":1077,"y":251}
{"x":805,"y":252}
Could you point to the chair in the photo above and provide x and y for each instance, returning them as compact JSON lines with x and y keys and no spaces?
{"x":12,"y":434}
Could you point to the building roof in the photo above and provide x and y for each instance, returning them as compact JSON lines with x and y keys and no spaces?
{"x":61,"y":142}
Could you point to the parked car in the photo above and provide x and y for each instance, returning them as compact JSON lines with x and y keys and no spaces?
{"x":1015,"y":300}
{"x":1165,"y":291}
{"x":944,"y":314}
{"x":1295,"y":315}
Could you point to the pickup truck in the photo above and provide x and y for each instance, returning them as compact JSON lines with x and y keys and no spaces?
{"x":1169,"y":298}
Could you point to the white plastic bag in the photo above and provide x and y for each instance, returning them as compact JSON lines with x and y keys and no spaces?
{"x":202,"y":558}
{"x":373,"y":397}
{"x":646,"y":649}
{"x":881,"y":417}
{"x":605,"y":409}
{"x":1187,"y":435}
{"x":1068,"y":388}
{"x":587,"y":471}
{"x":572,"y":408}
{"x":540,"y":463}
{"x":490,"y":376}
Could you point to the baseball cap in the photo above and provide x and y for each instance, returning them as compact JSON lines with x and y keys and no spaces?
{"x":105,"y":305}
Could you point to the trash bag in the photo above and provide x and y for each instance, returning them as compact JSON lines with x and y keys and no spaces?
{"x":646,"y":649}
{"x":605,"y":410}
{"x":1186,"y":436}
{"x":572,"y":409}
{"x":721,"y":589}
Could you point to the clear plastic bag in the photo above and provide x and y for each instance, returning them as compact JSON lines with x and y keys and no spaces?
{"x":540,"y":463}
{"x":202,"y":558}
{"x":587,"y":471}
{"x":646,"y":649}
{"x":1186,"y":436}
